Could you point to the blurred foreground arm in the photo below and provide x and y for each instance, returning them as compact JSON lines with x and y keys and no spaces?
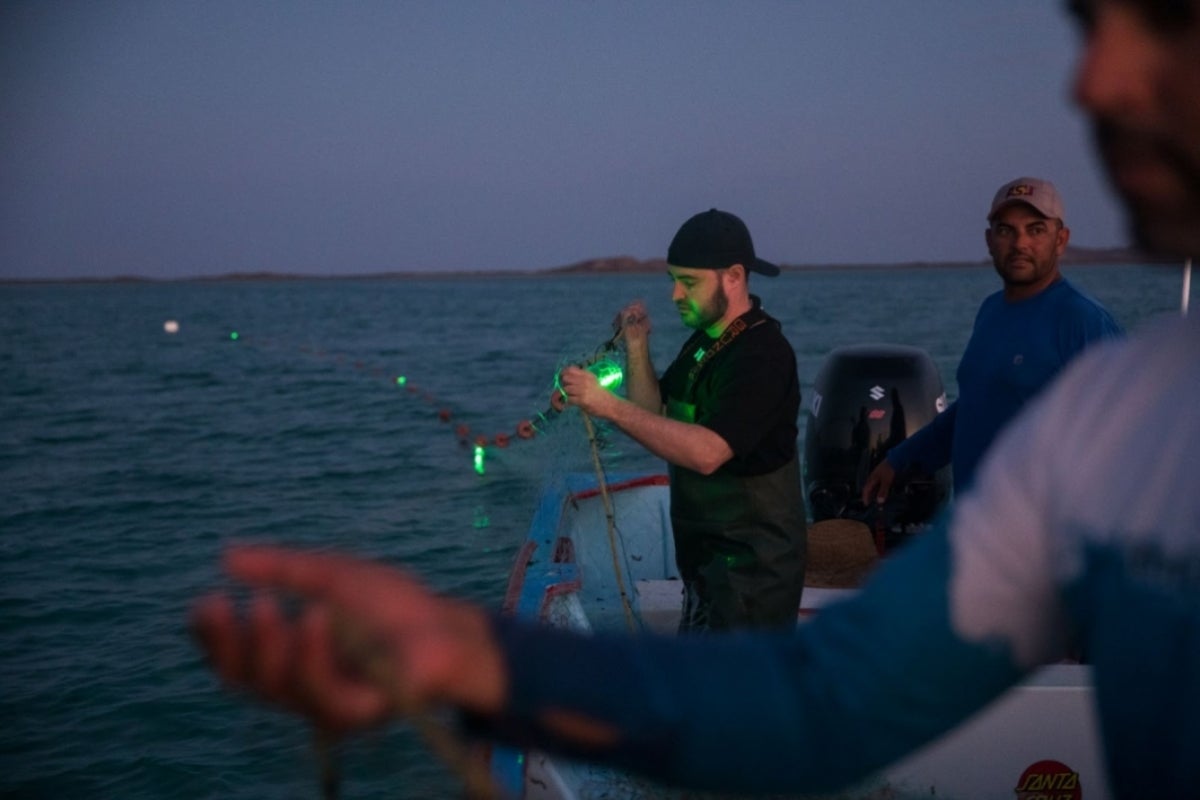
{"x":369,"y":644}
{"x":358,"y":621}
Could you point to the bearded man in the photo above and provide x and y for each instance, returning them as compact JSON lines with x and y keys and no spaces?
{"x":1024,"y":335}
{"x":723,"y":416}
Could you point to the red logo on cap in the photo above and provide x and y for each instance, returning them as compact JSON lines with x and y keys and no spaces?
{"x":1049,"y":780}
{"x":1020,"y":190}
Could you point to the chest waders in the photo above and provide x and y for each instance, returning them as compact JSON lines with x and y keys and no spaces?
{"x":740,"y":541}
{"x":740,"y":547}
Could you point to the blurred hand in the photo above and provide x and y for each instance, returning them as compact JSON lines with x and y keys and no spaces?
{"x":878,"y":484}
{"x":367,"y":644}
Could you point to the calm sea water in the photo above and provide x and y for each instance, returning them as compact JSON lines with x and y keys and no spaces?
{"x":129,"y":456}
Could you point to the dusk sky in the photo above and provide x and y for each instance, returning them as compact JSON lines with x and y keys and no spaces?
{"x":176,"y":139}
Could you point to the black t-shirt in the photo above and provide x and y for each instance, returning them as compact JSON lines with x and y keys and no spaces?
{"x":748,"y":393}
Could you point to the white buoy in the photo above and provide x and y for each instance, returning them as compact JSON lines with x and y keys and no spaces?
{"x":171,"y":326}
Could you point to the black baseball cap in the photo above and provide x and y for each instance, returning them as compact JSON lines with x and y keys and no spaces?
{"x":715,"y":240}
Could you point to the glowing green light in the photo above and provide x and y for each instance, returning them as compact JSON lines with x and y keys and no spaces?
{"x":608,"y":373}
{"x":479,"y":453}
{"x":233,"y":335}
{"x":401,"y":380}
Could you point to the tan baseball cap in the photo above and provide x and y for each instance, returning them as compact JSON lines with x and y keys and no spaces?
{"x":1036,"y":193}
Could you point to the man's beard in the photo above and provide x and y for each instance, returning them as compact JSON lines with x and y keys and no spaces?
{"x":1163,"y":225}
{"x":713,"y":310}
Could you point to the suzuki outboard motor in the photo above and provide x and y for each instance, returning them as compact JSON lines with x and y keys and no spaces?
{"x":868,"y":399}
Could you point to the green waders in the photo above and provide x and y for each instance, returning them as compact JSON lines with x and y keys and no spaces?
{"x":741,"y":545}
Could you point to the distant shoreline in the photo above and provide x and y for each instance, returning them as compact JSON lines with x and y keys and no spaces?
{"x":617,"y":265}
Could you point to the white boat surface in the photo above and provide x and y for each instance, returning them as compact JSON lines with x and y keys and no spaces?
{"x":1039,"y":740}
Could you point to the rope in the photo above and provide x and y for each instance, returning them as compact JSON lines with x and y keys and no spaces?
{"x":602,"y":484}
{"x":611,"y":518}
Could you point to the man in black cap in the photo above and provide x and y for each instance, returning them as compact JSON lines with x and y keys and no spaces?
{"x":724,"y":416}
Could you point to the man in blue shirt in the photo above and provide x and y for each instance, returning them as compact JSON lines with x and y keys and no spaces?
{"x":1024,"y":335}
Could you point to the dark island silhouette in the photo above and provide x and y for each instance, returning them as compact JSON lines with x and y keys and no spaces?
{"x":614,"y":265}
{"x":1080,"y":256}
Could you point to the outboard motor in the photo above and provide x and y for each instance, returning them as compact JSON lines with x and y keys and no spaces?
{"x":868,"y":399}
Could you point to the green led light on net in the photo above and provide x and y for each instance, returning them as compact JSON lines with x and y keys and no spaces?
{"x":479,"y":453}
{"x":233,"y":335}
{"x":608,"y":373}
{"x":401,"y":380}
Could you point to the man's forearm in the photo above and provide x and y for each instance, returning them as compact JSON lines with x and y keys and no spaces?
{"x":684,"y":444}
{"x":641,"y":382}
{"x":930,"y":446}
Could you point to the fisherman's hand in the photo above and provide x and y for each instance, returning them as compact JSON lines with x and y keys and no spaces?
{"x":368,"y":642}
{"x":583,"y":389}
{"x":634,"y":323}
{"x":878,"y":484}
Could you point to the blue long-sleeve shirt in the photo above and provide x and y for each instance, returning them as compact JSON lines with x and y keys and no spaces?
{"x":1016,"y":348}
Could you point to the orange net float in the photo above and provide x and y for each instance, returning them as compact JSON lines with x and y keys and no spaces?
{"x":481,"y":441}
{"x":444,"y":414}
{"x":501,"y":440}
{"x":525,"y":429}
{"x":558,"y":400}
{"x":462,"y":432}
